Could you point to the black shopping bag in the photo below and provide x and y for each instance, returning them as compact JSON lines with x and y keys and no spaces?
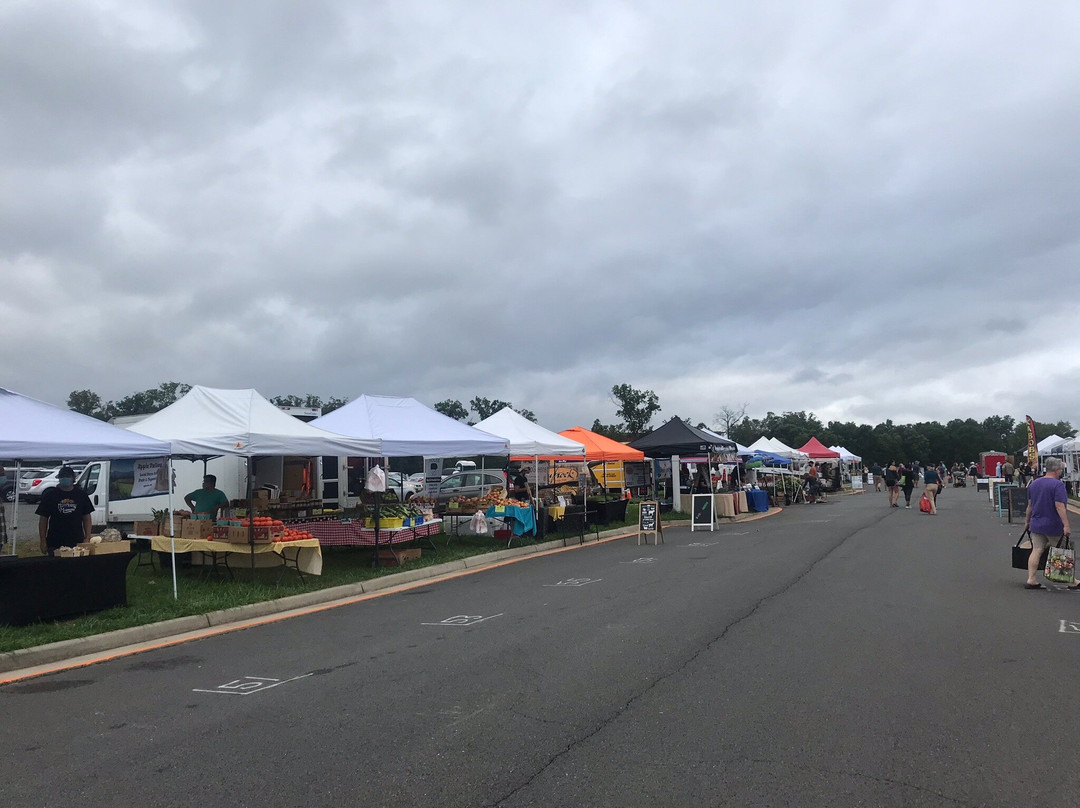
{"x":1022,"y":552}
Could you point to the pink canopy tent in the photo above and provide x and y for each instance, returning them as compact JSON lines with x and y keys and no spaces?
{"x":818,"y":450}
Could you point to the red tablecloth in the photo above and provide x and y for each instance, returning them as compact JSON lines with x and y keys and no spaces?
{"x":332,"y":533}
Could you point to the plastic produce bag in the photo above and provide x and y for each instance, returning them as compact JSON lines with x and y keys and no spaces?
{"x":478,"y":524}
{"x":375,"y":480}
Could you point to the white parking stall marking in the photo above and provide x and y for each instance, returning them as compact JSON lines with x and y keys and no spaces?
{"x":249,"y":685}
{"x":639,"y":561}
{"x":464,"y":620}
{"x":576,"y":582}
{"x":1069,"y":627}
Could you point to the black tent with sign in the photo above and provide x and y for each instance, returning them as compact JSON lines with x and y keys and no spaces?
{"x":677,"y":437}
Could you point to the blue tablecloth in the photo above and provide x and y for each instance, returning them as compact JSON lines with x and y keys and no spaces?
{"x":758,"y":500}
{"x":520,"y":520}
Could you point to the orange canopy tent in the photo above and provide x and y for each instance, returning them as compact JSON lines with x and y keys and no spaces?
{"x":597,"y":447}
{"x":818,"y":450}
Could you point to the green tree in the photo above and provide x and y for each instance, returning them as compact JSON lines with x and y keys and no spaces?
{"x":148,"y":401}
{"x":727,"y":418}
{"x":1018,"y":440}
{"x":88,"y":403}
{"x":452,"y":408}
{"x":310,"y":400}
{"x":485,"y":407}
{"x":614,"y":431}
{"x":636,"y":408}
{"x":528,"y":414}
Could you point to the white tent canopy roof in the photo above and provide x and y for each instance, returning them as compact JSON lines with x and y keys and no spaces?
{"x":208,"y":421}
{"x":845,"y":455}
{"x":1051,"y":443}
{"x":33,"y":430}
{"x":777,"y":447}
{"x":407,"y":428}
{"x":528,"y":438}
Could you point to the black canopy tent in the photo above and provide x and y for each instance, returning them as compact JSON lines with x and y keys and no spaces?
{"x":676,"y":437}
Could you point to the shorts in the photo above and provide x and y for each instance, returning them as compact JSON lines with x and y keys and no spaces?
{"x":1040,"y":541}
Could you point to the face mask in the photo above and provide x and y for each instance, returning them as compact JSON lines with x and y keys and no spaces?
{"x":67,"y":482}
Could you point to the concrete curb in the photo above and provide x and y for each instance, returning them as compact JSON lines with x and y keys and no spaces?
{"x":65,"y":650}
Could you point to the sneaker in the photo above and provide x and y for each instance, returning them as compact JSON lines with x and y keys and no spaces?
{"x":907,"y":506}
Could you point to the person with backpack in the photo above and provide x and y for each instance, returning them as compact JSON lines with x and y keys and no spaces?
{"x":892,"y":482}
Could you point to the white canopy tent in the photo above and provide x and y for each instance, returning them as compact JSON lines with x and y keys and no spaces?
{"x":845,"y":455}
{"x":34,"y":430}
{"x":210,"y":421}
{"x":1051,"y":444}
{"x":777,"y":447}
{"x":406,"y":428}
{"x":527,"y":438}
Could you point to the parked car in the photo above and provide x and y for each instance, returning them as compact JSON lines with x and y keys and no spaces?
{"x":405,"y":487}
{"x":470,"y":484}
{"x":41,"y":480}
{"x":7,"y":492}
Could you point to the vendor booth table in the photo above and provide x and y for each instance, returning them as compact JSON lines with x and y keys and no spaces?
{"x":520,"y":520}
{"x":304,"y":556}
{"x":351,"y":533}
{"x":758,"y":500}
{"x":45,"y":588}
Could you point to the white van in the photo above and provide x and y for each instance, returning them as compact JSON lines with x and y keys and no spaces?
{"x":119,"y":501}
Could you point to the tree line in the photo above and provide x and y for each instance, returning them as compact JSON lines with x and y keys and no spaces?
{"x":957,"y":441}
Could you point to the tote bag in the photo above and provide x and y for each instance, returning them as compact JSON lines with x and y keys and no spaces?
{"x":924,"y":504}
{"x":1060,"y":563}
{"x":1021,"y":552}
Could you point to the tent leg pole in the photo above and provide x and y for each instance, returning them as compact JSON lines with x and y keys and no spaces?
{"x":172,"y":534}
{"x":251,"y":515}
{"x":15,"y":510}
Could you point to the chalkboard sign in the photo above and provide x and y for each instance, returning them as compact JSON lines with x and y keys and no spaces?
{"x":649,"y":522}
{"x":1018,"y":502}
{"x":647,"y":517}
{"x":1001,"y":494}
{"x":701,"y":512}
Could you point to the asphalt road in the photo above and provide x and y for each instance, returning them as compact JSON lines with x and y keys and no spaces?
{"x":843,"y":654}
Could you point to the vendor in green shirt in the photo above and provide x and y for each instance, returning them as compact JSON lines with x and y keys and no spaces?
{"x":206,"y":501}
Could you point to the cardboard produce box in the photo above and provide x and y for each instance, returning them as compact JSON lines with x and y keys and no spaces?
{"x":388,"y":559}
{"x":106,"y":547}
{"x":146,"y":528}
{"x":197,"y":529}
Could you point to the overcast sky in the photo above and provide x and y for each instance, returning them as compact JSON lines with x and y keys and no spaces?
{"x":867,"y":210}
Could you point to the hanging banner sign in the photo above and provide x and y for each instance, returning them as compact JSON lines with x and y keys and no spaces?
{"x":432,"y":476}
{"x":1033,"y":446}
{"x":151,"y":477}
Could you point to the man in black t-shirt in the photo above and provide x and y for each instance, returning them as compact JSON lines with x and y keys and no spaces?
{"x":64,"y":514}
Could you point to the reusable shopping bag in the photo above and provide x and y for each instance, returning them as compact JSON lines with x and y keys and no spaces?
{"x":1021,"y":552}
{"x":924,"y":504}
{"x":1060,"y":563}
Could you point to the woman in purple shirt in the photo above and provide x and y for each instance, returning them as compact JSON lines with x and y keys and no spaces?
{"x":1047,"y":517}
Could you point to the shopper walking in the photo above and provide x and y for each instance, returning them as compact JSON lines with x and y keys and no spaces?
{"x":931,"y":486}
{"x":907,"y":482}
{"x":1047,"y":517}
{"x":876,"y":471}
{"x":892,"y":482}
